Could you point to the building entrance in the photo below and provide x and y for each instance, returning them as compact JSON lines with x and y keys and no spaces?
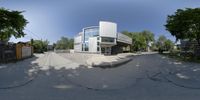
{"x":106,"y":50}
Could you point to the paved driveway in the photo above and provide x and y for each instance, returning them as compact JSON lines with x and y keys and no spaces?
{"x":146,"y":77}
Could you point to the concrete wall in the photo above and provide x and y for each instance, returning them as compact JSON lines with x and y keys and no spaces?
{"x":93,"y":44}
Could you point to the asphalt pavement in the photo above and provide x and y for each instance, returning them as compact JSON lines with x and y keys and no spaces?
{"x":146,"y":77}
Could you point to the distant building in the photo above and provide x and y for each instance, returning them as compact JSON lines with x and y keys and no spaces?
{"x":49,"y":47}
{"x":102,"y":39}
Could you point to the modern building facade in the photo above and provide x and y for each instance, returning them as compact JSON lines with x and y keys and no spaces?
{"x":103,"y":39}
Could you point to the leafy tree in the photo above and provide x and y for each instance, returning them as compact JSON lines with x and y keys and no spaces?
{"x":154,"y":46}
{"x":160,"y":41}
{"x":164,"y":44}
{"x":40,"y":46}
{"x":185,"y":24}
{"x":12,"y":23}
{"x":140,"y":40}
{"x":169,"y":45}
{"x":37,"y":45}
{"x":149,"y":36}
{"x":45,"y":44}
{"x":65,"y":43}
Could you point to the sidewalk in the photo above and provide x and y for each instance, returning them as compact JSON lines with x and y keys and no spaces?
{"x":52,"y":60}
{"x":109,"y":61}
{"x":98,"y":60}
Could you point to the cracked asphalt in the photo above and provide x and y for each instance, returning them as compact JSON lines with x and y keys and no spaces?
{"x":146,"y":77}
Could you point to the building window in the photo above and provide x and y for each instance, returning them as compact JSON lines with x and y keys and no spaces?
{"x":91,"y":32}
{"x":82,"y":47}
{"x":97,"y":48}
{"x":107,"y":39}
{"x":86,"y":47}
{"x":98,"y":43}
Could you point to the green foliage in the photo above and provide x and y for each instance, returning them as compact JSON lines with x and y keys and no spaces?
{"x":169,"y":45}
{"x":65,"y":43}
{"x":160,"y":41}
{"x":140,"y":39}
{"x":139,"y":42}
{"x":185,"y":24}
{"x":149,"y":36}
{"x":12,"y":23}
{"x":40,"y":46}
{"x":164,"y":44}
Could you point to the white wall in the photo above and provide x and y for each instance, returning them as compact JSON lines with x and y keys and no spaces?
{"x":78,"y":47}
{"x":107,"y":29}
{"x":26,"y":51}
{"x":77,"y":39}
{"x":93,"y":44}
{"x":78,"y":43}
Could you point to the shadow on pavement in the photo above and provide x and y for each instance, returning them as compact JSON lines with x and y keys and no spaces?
{"x":182,"y":74}
{"x":18,"y":74}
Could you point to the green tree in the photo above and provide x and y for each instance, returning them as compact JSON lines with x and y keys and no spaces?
{"x":164,"y":44}
{"x":12,"y":23}
{"x":149,"y":37}
{"x":185,"y":24}
{"x":154,"y":46}
{"x":40,"y":46}
{"x":140,"y":40}
{"x":45,"y":44}
{"x":160,"y":41}
{"x":169,"y":45}
{"x":65,"y":43}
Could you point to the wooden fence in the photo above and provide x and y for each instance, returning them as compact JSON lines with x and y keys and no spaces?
{"x":23,"y":51}
{"x":13,"y":52}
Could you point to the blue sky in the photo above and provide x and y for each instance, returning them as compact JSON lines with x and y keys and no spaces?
{"x":51,"y":19}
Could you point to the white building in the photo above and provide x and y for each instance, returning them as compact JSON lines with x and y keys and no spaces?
{"x":102,"y":39}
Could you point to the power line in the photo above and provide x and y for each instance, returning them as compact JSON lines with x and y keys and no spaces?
{"x":33,"y":33}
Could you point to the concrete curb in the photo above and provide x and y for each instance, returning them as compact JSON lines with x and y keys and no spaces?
{"x":113,"y":64}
